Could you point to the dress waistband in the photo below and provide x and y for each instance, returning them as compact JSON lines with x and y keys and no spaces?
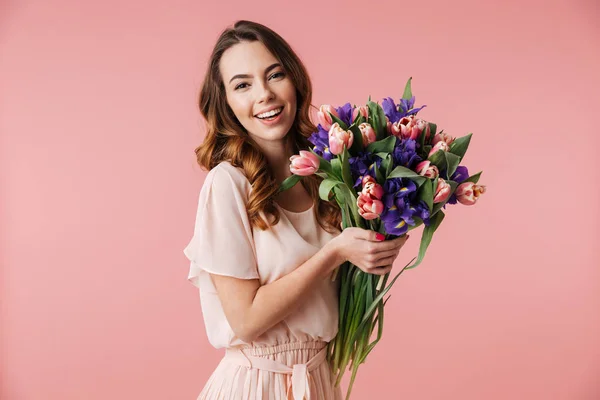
{"x":266,"y":350}
{"x":299,"y":385}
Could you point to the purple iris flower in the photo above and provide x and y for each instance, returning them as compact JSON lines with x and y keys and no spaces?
{"x":391,"y":110}
{"x":422,"y":211}
{"x":400,"y":209}
{"x":398,"y":212}
{"x":396,"y":112}
{"x":460,"y":174}
{"x":405,"y":153}
{"x":406,"y":106}
{"x":321,"y":138}
{"x":362,"y":165}
{"x":321,"y":141}
{"x":345,"y":113}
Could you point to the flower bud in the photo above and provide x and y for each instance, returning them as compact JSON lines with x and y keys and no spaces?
{"x":441,"y":145}
{"x":338,"y":138}
{"x":305,"y":164}
{"x":427,"y":169}
{"x":468,"y":193}
{"x":442,"y":192}
{"x":324,"y":117}
{"x":368,"y":133}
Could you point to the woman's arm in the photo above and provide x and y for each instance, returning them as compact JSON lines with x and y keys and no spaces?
{"x":252,"y":309}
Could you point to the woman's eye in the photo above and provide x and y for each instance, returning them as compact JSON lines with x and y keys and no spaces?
{"x":241,"y":85}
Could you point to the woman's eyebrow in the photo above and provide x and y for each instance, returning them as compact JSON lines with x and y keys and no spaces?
{"x":240,"y":76}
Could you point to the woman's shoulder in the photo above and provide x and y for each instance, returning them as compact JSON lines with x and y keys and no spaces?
{"x":225,"y":173}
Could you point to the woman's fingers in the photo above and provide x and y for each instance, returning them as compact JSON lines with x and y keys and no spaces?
{"x":381,"y":270}
{"x":387,"y":254}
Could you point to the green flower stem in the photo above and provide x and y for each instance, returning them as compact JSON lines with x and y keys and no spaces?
{"x":351,"y":321}
{"x":354,"y":370}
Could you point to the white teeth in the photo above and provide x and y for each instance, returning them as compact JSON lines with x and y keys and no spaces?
{"x":270,"y":113}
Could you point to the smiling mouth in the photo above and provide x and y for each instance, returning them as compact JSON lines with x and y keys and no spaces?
{"x":271,"y":117}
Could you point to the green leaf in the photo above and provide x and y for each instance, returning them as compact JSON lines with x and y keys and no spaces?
{"x":452,"y":161}
{"x":378,"y":175}
{"x":385,"y":160}
{"x":350,"y":199}
{"x":378,"y":121}
{"x":389,"y":166}
{"x":385,"y":163}
{"x":425,"y":193}
{"x":339,"y":121}
{"x":407,"y":90}
{"x":460,"y":145}
{"x":289,"y":182}
{"x":432,"y":129}
{"x":336,"y":166}
{"x":403,"y":172}
{"x":357,"y":143}
{"x":324,"y":165}
{"x":473,"y":178}
{"x":382,"y":146}
{"x":438,"y":159}
{"x":426,"y":149}
{"x":434,"y":223}
{"x":359,"y":118}
{"x":346,"y":175}
{"x":325,"y":188}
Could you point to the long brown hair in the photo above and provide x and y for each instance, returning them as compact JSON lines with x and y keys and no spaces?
{"x":227,"y":140}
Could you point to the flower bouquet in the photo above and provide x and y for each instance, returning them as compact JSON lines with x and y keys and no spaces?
{"x":389,"y":172}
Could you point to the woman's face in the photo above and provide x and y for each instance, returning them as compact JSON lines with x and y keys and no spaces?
{"x":256,"y":83}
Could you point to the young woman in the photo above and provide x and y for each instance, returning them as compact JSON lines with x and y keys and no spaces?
{"x":262,"y":260}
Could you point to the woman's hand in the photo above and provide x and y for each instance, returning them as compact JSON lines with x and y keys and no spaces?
{"x":367,"y":249}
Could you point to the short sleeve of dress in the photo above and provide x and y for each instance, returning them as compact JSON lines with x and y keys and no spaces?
{"x":222,"y":243}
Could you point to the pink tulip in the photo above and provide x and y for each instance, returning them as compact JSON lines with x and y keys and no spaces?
{"x":441,"y":145}
{"x":442,"y":136}
{"x":423,"y":127}
{"x":324,"y":118}
{"x":388,"y":126}
{"x":305,"y":164}
{"x":394,"y":129}
{"x":427,"y":169}
{"x":338,"y":138}
{"x":442,"y":192}
{"x":408,"y":128}
{"x":373,"y":189}
{"x":363,"y":110}
{"x":368,"y":178}
{"x":369,"y":208}
{"x":468,"y":193}
{"x":368,"y":134}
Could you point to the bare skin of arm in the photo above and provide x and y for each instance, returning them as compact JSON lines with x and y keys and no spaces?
{"x":251,"y":309}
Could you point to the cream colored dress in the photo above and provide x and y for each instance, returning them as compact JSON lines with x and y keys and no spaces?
{"x":288,"y":360}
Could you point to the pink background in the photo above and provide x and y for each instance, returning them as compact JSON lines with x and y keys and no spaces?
{"x":99,"y":186}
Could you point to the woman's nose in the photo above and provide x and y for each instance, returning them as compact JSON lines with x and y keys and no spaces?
{"x":265,"y":92}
